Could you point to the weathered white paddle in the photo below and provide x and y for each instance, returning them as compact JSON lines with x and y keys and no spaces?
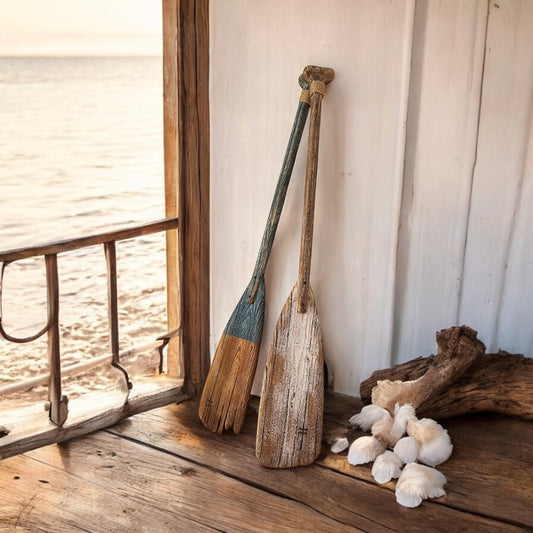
{"x":226,"y":393}
{"x":289,"y":430}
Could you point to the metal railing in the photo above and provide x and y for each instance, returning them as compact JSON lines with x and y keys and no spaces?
{"x":58,"y":403}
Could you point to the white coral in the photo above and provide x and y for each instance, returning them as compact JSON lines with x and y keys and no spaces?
{"x":364,"y":449}
{"x":418,"y":482}
{"x":387,"y":466}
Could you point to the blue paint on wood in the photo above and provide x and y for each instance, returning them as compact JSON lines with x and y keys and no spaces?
{"x":246,"y":322}
{"x":279,"y":196}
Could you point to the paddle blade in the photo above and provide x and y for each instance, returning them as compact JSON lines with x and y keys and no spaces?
{"x":289,"y":430}
{"x":226,"y":393}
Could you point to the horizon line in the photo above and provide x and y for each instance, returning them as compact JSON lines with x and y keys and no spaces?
{"x":78,"y":55}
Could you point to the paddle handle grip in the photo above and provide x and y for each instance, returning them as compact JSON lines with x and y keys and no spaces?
{"x":281,"y":190}
{"x":318,"y":77}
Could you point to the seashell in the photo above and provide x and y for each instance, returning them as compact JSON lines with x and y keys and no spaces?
{"x":406,"y":449}
{"x":368,"y":416}
{"x":402,"y":414}
{"x":418,"y":482}
{"x":434,"y":444}
{"x":387,"y":466}
{"x":364,"y":449}
{"x":381,"y":429}
{"x":340,"y":445}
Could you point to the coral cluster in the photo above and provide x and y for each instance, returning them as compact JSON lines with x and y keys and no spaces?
{"x":398,"y":440}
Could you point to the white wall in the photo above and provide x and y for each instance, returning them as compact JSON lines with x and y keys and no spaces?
{"x":425,"y":181}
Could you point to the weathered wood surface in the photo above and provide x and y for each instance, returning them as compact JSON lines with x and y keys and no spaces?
{"x":228,"y":385}
{"x":356,"y":223}
{"x":461,"y":378}
{"x":226,"y":392}
{"x":109,"y":482}
{"x":163,"y":470}
{"x":458,"y":347}
{"x":116,"y":481}
{"x":489,"y":472}
{"x":495,"y":295}
{"x":318,"y":78}
{"x":281,"y":187}
{"x":186,"y":142}
{"x":75,"y":243}
{"x":499,"y":382}
{"x":348,"y":494}
{"x":87,"y":414}
{"x":289,"y":431}
{"x":446,"y":75}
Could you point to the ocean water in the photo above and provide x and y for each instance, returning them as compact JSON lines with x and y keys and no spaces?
{"x":81,"y":151}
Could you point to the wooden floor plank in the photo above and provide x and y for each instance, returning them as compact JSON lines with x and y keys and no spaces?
{"x":40,"y":498}
{"x":192,"y":497}
{"x":490,"y":471}
{"x":332,"y":487}
{"x":29,"y":427}
{"x":163,"y":471}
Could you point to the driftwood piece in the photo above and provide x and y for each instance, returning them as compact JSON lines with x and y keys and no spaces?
{"x":440,"y":387}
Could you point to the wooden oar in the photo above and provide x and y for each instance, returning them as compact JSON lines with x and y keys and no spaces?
{"x":226,"y":393}
{"x":289,"y":430}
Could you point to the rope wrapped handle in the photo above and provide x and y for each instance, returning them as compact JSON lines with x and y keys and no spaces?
{"x":318,"y":86}
{"x":305,"y":97}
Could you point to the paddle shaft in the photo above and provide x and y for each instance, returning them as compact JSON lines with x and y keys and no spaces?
{"x":226,"y":392}
{"x":306,"y":242}
{"x":290,"y":418}
{"x":281,"y":191}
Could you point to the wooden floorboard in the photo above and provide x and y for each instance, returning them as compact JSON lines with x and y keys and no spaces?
{"x":163,"y":471}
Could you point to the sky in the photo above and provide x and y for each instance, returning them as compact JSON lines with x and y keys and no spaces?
{"x":80,"y":27}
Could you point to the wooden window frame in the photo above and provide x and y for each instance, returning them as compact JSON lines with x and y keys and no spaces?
{"x":186,"y":148}
{"x":186,"y":153}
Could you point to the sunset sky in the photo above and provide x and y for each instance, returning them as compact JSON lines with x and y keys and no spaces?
{"x":80,"y":27}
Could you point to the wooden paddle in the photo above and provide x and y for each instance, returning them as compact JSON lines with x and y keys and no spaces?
{"x":289,"y":430}
{"x":226,"y":392}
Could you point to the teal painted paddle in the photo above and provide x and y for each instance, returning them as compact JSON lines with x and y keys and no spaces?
{"x":226,"y":393}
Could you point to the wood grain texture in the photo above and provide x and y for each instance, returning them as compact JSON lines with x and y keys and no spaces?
{"x":171,"y":168}
{"x":229,"y":382}
{"x":224,"y":402}
{"x":289,"y":429}
{"x":116,"y":485}
{"x":361,"y":153}
{"x":322,"y":76}
{"x":440,"y":154}
{"x":496,"y":286}
{"x":481,"y":495}
{"x":281,"y":192}
{"x":87,"y":414}
{"x":458,"y":348}
{"x":499,"y":382}
{"x":75,"y":243}
{"x":186,"y":115}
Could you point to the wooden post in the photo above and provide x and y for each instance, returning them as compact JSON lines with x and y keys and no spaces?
{"x":186,"y":139}
{"x":58,"y":404}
